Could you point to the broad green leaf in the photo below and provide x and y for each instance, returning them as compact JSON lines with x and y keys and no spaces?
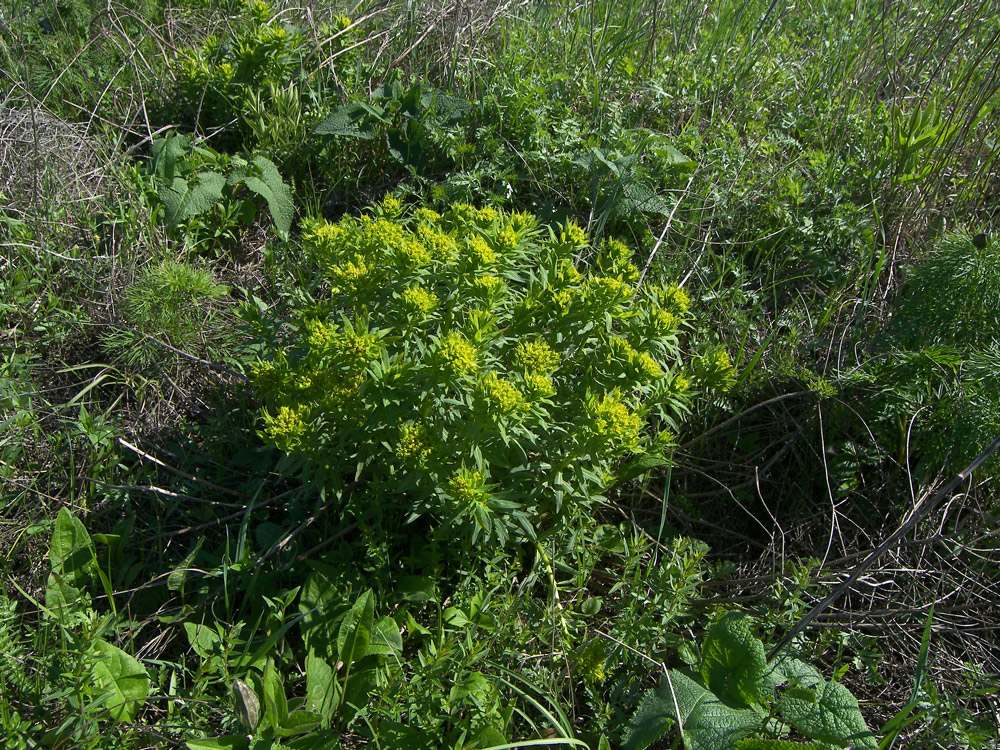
{"x":355,"y":632}
{"x":178,"y":576}
{"x":275,"y":703}
{"x":473,"y":685}
{"x":273,"y":189}
{"x":247,"y":704}
{"x":71,"y":551}
{"x":358,"y":692}
{"x":797,"y":673}
{"x":183,"y":201}
{"x":66,"y":602}
{"x":166,"y":153}
{"x":298,"y":722}
{"x":416,"y":589}
{"x":652,"y":718}
{"x":828,"y":713}
{"x":321,"y":687}
{"x":706,"y":723}
{"x":353,"y":120}
{"x":386,"y":638}
{"x":204,"y":640}
{"x":119,"y":674}
{"x":226,"y":742}
{"x":734,"y":664}
{"x":322,"y":606}
{"x":486,"y":737}
{"x":753,"y":743}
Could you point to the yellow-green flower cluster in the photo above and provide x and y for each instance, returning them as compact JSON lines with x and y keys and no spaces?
{"x":647,"y":366}
{"x":488,"y":286}
{"x":391,"y":206}
{"x":674,"y":298}
{"x":614,"y":424}
{"x":573,"y":234}
{"x":439,"y":244}
{"x":467,"y":486}
{"x":616,"y":260}
{"x":521,"y":221}
{"x":428,"y":215}
{"x":382,"y":234}
{"x":536,"y":357}
{"x":458,"y":356}
{"x":604,"y":292}
{"x":662,"y":322}
{"x":411,"y":252}
{"x":539,"y":386}
{"x":479,"y":252}
{"x":500,"y":396}
{"x":356,"y":350}
{"x":415,"y":444}
{"x":287,"y":426}
{"x":416,"y":299}
{"x":507,"y":239}
{"x":318,"y":335}
{"x":352,"y":274}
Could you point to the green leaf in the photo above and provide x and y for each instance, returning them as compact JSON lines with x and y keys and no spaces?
{"x":226,"y":742}
{"x":386,"y":638}
{"x":706,"y":722}
{"x":275,"y":703}
{"x":273,"y":189}
{"x":734,"y":664}
{"x":182,"y":201}
{"x":652,"y":718}
{"x":355,"y":633}
{"x":122,"y":676}
{"x":178,"y":576}
{"x":204,"y":640}
{"x":353,"y":120}
{"x":828,"y":713}
{"x":247,"y":704}
{"x":166,"y":153}
{"x":322,"y":690}
{"x":298,"y":722}
{"x":71,"y":551}
{"x":797,"y":672}
{"x":638,"y":466}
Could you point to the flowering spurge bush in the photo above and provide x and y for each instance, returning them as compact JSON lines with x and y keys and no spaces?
{"x":465,"y":363}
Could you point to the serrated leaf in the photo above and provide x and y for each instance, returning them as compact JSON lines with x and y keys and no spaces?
{"x":706,"y":722}
{"x":178,"y":577}
{"x":183,"y":201}
{"x":122,"y":676}
{"x":797,"y":672}
{"x":734,"y":664}
{"x":166,"y":153}
{"x":652,"y":718}
{"x":353,"y":120}
{"x":355,"y":632}
{"x":827,"y":713}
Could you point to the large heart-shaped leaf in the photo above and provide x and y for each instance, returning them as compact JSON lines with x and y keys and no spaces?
{"x":734,"y":664}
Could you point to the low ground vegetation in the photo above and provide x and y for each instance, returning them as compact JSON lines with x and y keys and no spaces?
{"x":498,"y":374}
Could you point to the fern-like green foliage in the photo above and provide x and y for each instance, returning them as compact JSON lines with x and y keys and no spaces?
{"x":936,"y":391}
{"x":13,"y":648}
{"x":952,"y":297}
{"x":171,"y":302}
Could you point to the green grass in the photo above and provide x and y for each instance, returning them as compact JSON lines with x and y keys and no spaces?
{"x":819,"y":178}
